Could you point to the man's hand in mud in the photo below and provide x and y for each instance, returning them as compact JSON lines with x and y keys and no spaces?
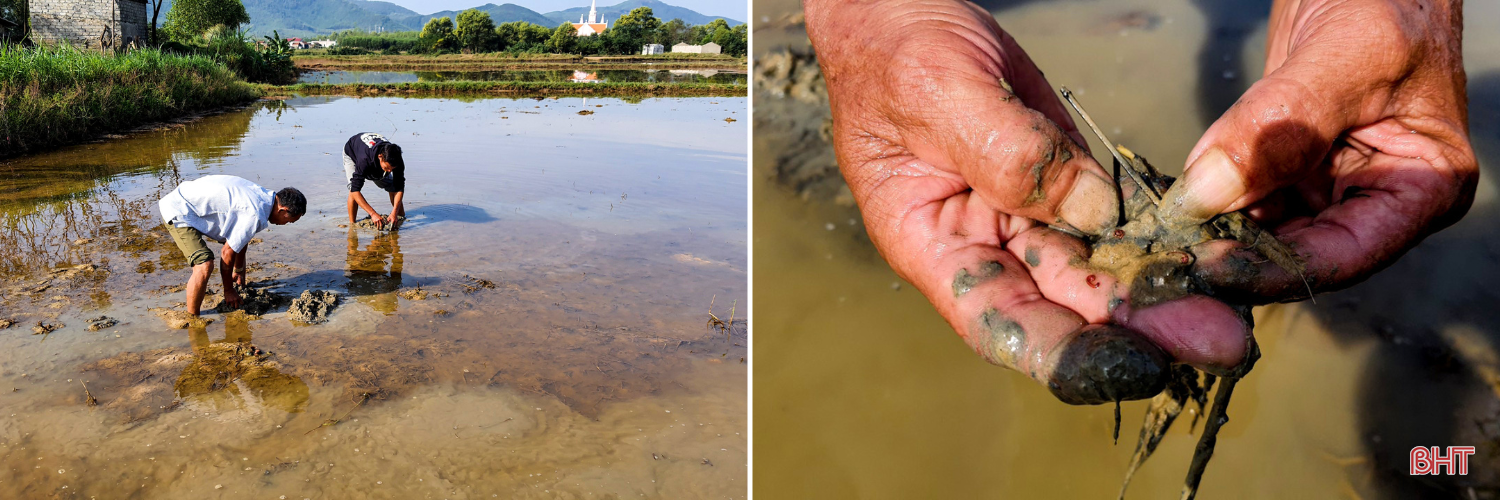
{"x":231,"y":297}
{"x":1352,"y":149}
{"x":379,"y":221}
{"x":960,"y":155}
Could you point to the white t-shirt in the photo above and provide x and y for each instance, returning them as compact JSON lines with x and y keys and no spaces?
{"x":223,"y":207}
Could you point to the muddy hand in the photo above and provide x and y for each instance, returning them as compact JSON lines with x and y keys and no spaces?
{"x":232,"y":298}
{"x":955,"y":146}
{"x":1352,"y":149}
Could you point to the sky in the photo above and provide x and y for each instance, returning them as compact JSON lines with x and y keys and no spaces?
{"x":733,"y":9}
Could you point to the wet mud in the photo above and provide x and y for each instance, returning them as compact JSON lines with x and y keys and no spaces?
{"x":529,"y":316}
{"x":101,"y":322}
{"x":313,"y":306}
{"x":367,"y":223}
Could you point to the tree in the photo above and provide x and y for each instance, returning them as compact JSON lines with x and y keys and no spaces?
{"x":632,"y":31}
{"x":507,"y":35}
{"x":672,"y":32}
{"x":189,"y":19}
{"x":475,"y":31}
{"x":534,"y":34}
{"x":564,"y":39}
{"x":438,"y":34}
{"x":151,"y":30}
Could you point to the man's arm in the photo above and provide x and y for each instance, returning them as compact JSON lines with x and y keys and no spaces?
{"x":359,"y":198}
{"x":396,"y":208}
{"x":239,"y":266}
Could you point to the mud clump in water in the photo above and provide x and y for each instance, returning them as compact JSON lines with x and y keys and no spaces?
{"x":367,"y":223}
{"x":178,"y":320}
{"x":43,"y":327}
{"x":476,"y":284}
{"x":419,"y":294}
{"x":314,"y":306}
{"x":586,"y":112}
{"x":6,"y":323}
{"x":792,"y":113}
{"x":101,"y":322}
{"x":255,"y":301}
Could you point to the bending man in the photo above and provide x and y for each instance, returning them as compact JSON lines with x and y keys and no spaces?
{"x":227,"y":209}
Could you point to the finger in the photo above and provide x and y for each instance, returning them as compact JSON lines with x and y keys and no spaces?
{"x":1386,"y":207}
{"x":951,"y":251}
{"x":1280,"y":128}
{"x":996,"y":124}
{"x":1194,"y":329}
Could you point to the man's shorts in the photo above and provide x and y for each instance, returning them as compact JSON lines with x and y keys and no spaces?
{"x":349,"y":174}
{"x":190,"y":241}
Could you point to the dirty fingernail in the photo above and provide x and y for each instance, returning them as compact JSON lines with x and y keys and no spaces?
{"x":1208,"y":186}
{"x":1091,"y":206}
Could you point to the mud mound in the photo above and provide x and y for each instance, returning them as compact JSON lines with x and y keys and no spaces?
{"x":43,"y":327}
{"x":314,"y":306}
{"x":254,"y":301}
{"x":6,"y":323}
{"x":176,"y":319}
{"x":366,"y":223}
{"x":101,"y":322}
{"x":476,"y":284}
{"x":791,"y":112}
{"x":419,"y":294}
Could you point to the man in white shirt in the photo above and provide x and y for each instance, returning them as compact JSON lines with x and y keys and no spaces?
{"x":227,"y":209}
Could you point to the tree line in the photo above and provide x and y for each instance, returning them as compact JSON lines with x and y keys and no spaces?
{"x":475,"y":32}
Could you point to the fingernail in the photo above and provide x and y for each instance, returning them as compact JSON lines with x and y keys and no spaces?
{"x":1208,"y":186}
{"x":1091,"y":206}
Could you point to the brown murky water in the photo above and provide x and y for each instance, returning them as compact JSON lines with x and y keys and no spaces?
{"x":863,"y":391}
{"x":561,"y":350}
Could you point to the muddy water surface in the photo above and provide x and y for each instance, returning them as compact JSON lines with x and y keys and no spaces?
{"x":549,"y":75}
{"x":863,"y":391}
{"x":537,"y":328}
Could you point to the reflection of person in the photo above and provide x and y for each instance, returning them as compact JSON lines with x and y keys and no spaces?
{"x":228,"y":209}
{"x":230,"y":373}
{"x":370,"y":278}
{"x":368,"y":156}
{"x":1352,"y":148}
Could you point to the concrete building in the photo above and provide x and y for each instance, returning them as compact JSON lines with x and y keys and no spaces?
{"x":707,"y":48}
{"x":322,"y":44}
{"x":651,"y":49}
{"x":88,"y":23}
{"x":591,"y":25}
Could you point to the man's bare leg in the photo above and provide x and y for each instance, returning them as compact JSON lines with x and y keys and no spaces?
{"x":197,"y":285}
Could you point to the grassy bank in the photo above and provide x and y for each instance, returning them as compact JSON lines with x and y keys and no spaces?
{"x":516,"y":89}
{"x":501,"y":61}
{"x":58,"y":95}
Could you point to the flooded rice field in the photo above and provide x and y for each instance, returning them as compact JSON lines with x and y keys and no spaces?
{"x":536,"y":330}
{"x":544,"y":75}
{"x":863,"y":391}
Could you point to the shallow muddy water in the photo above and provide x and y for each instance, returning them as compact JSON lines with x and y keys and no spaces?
{"x":567,"y":262}
{"x":863,"y":391}
{"x":548,"y":75}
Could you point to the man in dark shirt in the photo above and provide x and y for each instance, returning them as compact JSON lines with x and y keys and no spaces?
{"x":368,"y":156}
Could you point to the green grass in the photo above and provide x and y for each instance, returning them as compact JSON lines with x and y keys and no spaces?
{"x":518,"y":89}
{"x":50,"y":96}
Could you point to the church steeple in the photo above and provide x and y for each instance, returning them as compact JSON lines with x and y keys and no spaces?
{"x":593,"y":15}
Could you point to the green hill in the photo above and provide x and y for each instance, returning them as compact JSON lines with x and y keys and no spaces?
{"x":499,"y":13}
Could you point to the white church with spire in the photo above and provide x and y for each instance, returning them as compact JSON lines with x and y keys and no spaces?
{"x":591,"y":25}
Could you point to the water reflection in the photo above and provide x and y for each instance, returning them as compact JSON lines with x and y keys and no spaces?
{"x":549,"y":75}
{"x":375,"y":272}
{"x":234,"y":375}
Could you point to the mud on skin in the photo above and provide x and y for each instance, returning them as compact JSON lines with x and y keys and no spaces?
{"x":965,"y":281}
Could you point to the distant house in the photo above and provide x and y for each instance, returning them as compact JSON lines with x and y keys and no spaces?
{"x":88,"y":23}
{"x":297,"y":43}
{"x":591,"y":25}
{"x":707,"y":48}
{"x":654,"y":48}
{"x":322,"y":44}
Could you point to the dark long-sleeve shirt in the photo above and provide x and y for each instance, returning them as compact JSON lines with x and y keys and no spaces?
{"x":361,"y":150}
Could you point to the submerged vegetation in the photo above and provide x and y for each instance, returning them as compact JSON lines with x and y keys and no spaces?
{"x":51,"y":96}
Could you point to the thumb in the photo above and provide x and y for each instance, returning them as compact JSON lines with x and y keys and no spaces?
{"x":1271,"y":138}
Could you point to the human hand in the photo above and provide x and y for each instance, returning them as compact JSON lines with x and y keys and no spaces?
{"x":379,"y":221}
{"x":238,"y":276}
{"x":959,"y":154}
{"x":231,"y":297}
{"x":1352,"y":149}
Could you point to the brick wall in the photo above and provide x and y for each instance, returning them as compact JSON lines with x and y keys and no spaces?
{"x":82,"y":22}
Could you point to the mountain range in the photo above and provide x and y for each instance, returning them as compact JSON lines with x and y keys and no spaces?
{"x":306,"y":18}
